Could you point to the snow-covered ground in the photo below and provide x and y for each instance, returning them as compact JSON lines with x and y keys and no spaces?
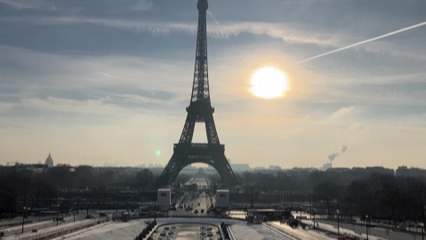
{"x":38,"y":225}
{"x":243,"y":231}
{"x":237,"y":214}
{"x":129,"y":230}
{"x":357,"y":230}
{"x":49,"y":231}
{"x":28,"y":227}
{"x":375,"y":233}
{"x":108,"y":230}
{"x":240,"y":230}
{"x":299,"y":233}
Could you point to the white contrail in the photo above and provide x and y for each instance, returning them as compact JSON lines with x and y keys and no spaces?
{"x":217,"y":22}
{"x":214,"y":19}
{"x":362,"y":42}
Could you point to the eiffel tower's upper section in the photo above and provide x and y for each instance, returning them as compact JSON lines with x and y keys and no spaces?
{"x":200,"y":87}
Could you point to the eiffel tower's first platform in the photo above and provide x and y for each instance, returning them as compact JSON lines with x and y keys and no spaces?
{"x":200,"y":110}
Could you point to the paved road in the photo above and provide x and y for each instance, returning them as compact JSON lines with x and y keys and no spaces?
{"x":201,"y":204}
{"x":197,"y":202}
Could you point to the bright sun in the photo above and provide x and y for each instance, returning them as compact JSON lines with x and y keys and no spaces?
{"x":269,"y":83}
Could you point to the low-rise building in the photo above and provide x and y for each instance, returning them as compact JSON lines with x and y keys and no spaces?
{"x":164,"y":198}
{"x":222,"y":198}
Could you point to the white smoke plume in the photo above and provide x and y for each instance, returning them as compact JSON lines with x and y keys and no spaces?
{"x":333,"y":156}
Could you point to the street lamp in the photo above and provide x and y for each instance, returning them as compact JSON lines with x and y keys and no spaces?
{"x":23,"y":218}
{"x":57,"y":214}
{"x":424,"y":220}
{"x":338,"y":222}
{"x":75,"y":210}
{"x":74,"y":214}
{"x":366,"y":225}
{"x":313,"y":212}
{"x":252,"y":197}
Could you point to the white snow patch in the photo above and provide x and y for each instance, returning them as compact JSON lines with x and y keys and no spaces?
{"x":109,"y":230}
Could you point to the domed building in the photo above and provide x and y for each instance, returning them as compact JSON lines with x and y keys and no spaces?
{"x":49,"y":161}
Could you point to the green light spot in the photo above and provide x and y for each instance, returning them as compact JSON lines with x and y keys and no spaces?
{"x":158,"y":153}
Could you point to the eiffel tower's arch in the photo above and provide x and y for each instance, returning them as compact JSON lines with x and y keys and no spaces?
{"x":184,"y":156}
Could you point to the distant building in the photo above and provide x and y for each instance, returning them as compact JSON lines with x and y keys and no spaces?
{"x":222,"y":198}
{"x":240,"y":167}
{"x":49,"y":161}
{"x":379,"y":170}
{"x":275,"y":168}
{"x":189,"y":170}
{"x":201,"y":174}
{"x":404,"y":171}
{"x":164,"y":198}
{"x":22,"y":167}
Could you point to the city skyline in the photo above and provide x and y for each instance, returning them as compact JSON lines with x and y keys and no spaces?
{"x":102,"y":83}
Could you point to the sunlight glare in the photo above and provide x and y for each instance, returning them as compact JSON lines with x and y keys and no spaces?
{"x":268,"y":83}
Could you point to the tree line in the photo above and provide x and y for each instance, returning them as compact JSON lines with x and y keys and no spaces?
{"x":377,"y":195}
{"x":357,"y":192}
{"x":45,"y":187}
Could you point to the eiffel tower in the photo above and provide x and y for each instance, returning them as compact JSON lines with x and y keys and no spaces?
{"x":200,"y":110}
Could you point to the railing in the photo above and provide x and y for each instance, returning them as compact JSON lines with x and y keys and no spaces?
{"x":225,"y":231}
{"x":230,"y":234}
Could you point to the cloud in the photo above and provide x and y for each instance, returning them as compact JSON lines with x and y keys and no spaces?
{"x":5,"y":107}
{"x":32,"y":4}
{"x":284,"y":32}
{"x":143,"y":4}
{"x":95,"y":5}
{"x":343,"y":112}
{"x":104,"y":84}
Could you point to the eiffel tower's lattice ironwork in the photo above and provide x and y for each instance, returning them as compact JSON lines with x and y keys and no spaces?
{"x":200,"y":110}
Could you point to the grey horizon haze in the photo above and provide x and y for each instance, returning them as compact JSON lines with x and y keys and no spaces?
{"x":107,"y":82}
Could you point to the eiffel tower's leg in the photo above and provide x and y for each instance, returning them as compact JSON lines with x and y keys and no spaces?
{"x":172,"y":169}
{"x":212,"y":136}
{"x":188,"y":129}
{"x":221,"y":164}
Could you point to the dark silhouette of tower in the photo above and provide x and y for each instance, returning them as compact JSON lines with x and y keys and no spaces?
{"x":200,"y":110}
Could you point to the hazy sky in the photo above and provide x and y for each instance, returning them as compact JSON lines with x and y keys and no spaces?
{"x":107,"y":82}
